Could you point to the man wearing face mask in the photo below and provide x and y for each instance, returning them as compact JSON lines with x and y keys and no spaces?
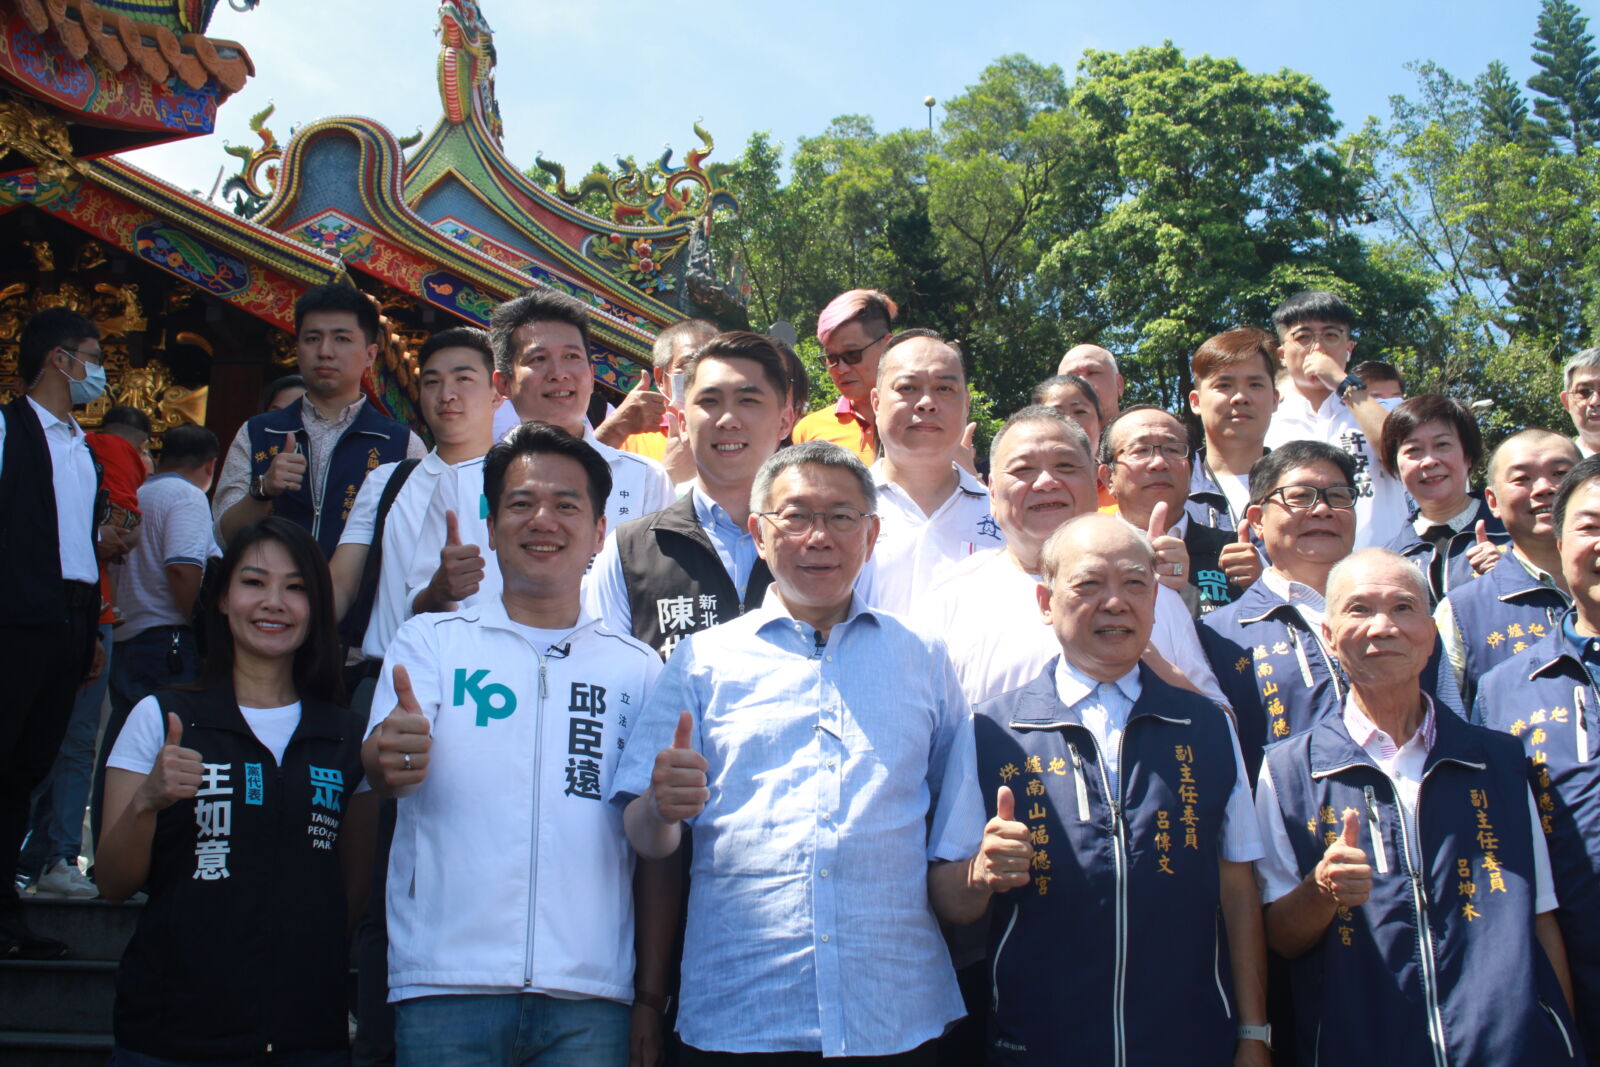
{"x":49,"y":587}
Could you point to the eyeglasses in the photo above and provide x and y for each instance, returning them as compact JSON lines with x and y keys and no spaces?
{"x":93,"y":356}
{"x":796,"y":521}
{"x":1305,"y":497}
{"x":853,"y":356}
{"x":1171,"y":451}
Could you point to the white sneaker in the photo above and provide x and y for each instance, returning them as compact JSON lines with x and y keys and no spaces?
{"x":61,"y":880}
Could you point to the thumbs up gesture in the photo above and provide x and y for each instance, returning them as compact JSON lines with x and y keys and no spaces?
{"x":460,"y":570}
{"x":1172,"y":556}
{"x":176,"y":773}
{"x":1240,"y":561}
{"x":404,"y":741}
{"x":1343,"y":874}
{"x":678,"y":457}
{"x":287,"y":471}
{"x":1484,"y":553}
{"x":678,"y":783}
{"x":966,"y":455}
{"x":1005,"y":857}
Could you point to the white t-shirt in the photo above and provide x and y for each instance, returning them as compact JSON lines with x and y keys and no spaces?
{"x":1381,"y":507}
{"x":176,"y":529}
{"x":146,"y":731}
{"x":914,"y":550}
{"x":986,"y":611}
{"x":1236,"y":488}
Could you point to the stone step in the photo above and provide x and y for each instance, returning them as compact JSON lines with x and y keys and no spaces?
{"x":57,"y":996}
{"x":93,"y":929}
{"x":40,"y":1049}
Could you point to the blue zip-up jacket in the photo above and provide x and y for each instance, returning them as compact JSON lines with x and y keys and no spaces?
{"x":1275,"y":674}
{"x":1504,"y":612}
{"x":1544,"y":697}
{"x":1115,"y":952}
{"x":1208,"y":504}
{"x":1441,"y":965}
{"x":368,"y":442}
{"x":1458,"y":573}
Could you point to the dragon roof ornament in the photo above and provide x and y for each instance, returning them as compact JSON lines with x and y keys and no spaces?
{"x":466,"y":67}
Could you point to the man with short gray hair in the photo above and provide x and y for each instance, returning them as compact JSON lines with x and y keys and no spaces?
{"x":1581,"y":397}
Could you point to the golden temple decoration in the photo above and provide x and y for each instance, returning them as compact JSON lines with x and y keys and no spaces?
{"x":30,"y":130}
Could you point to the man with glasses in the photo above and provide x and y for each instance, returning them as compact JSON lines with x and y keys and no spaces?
{"x":49,"y":586}
{"x":1267,"y":648}
{"x":1323,"y":401}
{"x":853,"y":330}
{"x":834,"y":801}
{"x":1581,"y":398}
{"x":1145,"y":463}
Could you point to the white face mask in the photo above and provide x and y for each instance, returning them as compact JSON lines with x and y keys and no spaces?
{"x":85,"y":390}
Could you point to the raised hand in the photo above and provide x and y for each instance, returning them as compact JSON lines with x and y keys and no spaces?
{"x":1343,"y":874}
{"x":1240,"y":561}
{"x":404,"y":738}
{"x":287,"y":471}
{"x":966,"y":455}
{"x":176,"y":773}
{"x":461,"y":566}
{"x":678,"y":783}
{"x":1172,"y":555}
{"x":1484,"y":553}
{"x":1005,"y":858}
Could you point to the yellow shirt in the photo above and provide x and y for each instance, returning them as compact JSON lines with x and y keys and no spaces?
{"x":842,"y":425}
{"x":652,"y":444}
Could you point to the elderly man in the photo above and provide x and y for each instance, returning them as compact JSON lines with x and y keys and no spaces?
{"x":1266,"y":647}
{"x":1144,"y":462}
{"x":852,"y":330}
{"x":1099,"y":368}
{"x":934,"y":511}
{"x":1519,"y":601}
{"x":1041,"y":475}
{"x":1581,"y":398}
{"x":1416,"y":935}
{"x":1546,"y":696}
{"x":1138,"y":809}
{"x":833,"y":801}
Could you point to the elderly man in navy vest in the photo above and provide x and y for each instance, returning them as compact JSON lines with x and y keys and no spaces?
{"x":1417,"y":934}
{"x":1546,"y":696}
{"x":1519,"y":601}
{"x":1137,"y":806}
{"x":306,"y":462}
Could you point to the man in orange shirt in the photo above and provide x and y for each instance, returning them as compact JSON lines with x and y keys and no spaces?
{"x":853,"y":329}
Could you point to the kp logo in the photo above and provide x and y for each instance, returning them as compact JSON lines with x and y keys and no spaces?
{"x":495,"y":701}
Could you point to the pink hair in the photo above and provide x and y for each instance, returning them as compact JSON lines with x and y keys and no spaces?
{"x":857,"y":303}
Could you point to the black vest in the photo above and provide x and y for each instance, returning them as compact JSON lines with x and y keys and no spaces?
{"x":669,"y":565}
{"x":234,"y":965}
{"x":30,"y":581}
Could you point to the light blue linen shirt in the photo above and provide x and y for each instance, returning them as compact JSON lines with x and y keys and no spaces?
{"x":809,"y":924}
{"x":735,"y":547}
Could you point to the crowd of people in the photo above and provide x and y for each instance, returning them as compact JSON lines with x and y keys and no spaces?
{"x":711,"y":729}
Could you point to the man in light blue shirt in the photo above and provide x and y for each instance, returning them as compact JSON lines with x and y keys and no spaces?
{"x":833,"y":798}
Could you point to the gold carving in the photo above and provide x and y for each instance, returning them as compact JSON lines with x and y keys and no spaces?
{"x":44,"y":257}
{"x":131,"y":320}
{"x":29,"y":129}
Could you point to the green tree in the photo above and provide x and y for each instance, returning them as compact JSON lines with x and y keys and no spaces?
{"x":1502,"y":111}
{"x":1568,"y":82}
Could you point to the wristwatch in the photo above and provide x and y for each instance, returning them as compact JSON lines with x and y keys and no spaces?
{"x":1351,"y":382}
{"x":1262,"y":1033}
{"x":258,"y":491}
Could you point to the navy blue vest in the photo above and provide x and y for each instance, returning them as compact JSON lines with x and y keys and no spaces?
{"x":1440,"y":965}
{"x":1535,"y":696}
{"x":1117,"y":943}
{"x":1458,"y":573}
{"x":1504,"y":612}
{"x":1274,"y":672}
{"x":1208,"y":504}
{"x":368,"y":442}
{"x":1208,"y":588}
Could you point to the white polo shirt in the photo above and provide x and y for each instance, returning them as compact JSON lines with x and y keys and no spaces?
{"x":1381,"y":507}
{"x":913,"y":550}
{"x":986,"y":611}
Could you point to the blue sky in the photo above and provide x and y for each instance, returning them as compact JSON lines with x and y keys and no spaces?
{"x":584,"y":80}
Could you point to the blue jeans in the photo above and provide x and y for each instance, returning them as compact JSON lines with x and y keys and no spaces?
{"x":506,"y":1029}
{"x":55,"y":831}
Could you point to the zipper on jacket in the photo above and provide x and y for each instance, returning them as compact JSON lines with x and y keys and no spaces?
{"x":994,"y":973}
{"x":1430,"y":967}
{"x":1119,"y":843}
{"x":1080,"y":788}
{"x":1580,"y":723}
{"x":533,"y":850}
{"x":1380,"y":854}
{"x":1305,"y":667}
{"x":1300,"y":655}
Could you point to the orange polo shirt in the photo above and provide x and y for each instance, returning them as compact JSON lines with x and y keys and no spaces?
{"x":842,"y":425}
{"x":652,"y":444}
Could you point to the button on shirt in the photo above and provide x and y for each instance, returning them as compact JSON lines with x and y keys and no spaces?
{"x":1104,"y":707}
{"x":913,"y":549}
{"x":834,"y":783}
{"x":1278,"y":873}
{"x":1381,"y":507}
{"x":72,"y":472}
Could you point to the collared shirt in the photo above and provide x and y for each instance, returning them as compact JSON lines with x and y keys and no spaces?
{"x":1310,"y":603}
{"x":322,"y":434}
{"x":1456,"y":523}
{"x":1444,"y":616}
{"x":1278,"y":872}
{"x":834,"y":783}
{"x":1104,"y":707}
{"x":72,"y":472}
{"x":913,"y":549}
{"x":1584,"y":450}
{"x":605,"y":590}
{"x":1586,"y":649}
{"x":842,"y":425}
{"x":1381,"y":507}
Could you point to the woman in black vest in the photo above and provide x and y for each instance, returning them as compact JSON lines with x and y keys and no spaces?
{"x":227,"y":801}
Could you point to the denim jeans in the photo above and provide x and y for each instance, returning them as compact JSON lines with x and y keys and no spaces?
{"x":55,"y":829}
{"x":506,"y":1029}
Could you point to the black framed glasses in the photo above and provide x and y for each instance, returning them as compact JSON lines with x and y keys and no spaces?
{"x":1305,"y":497}
{"x":1171,"y":451}
{"x":854,"y":355}
{"x":797,"y":521}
